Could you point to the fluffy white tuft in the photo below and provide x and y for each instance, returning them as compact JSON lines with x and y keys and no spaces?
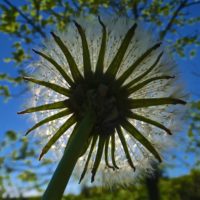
{"x":167,"y":115}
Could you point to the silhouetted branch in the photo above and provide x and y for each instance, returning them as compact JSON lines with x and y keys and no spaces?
{"x":192,"y":3}
{"x":135,"y":9}
{"x":28,"y":20}
{"x":171,"y":21}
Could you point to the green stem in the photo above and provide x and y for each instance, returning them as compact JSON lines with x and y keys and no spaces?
{"x":72,"y":152}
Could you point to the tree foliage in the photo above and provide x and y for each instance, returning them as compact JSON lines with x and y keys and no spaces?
{"x":17,"y":161}
{"x":29,"y":21}
{"x":181,"y":188}
{"x":193,"y":147}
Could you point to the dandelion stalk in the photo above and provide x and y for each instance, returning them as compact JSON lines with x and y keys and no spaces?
{"x":72,"y":152}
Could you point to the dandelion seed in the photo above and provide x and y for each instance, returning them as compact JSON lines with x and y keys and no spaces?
{"x":115,"y":69}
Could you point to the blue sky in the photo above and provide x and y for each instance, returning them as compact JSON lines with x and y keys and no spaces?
{"x":9,"y":120}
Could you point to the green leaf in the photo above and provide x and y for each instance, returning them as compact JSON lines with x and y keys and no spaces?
{"x":7,"y":60}
{"x":11,"y":135}
{"x":193,"y":53}
{"x":4,"y":91}
{"x":46,"y":161}
{"x":2,"y":160}
{"x":27,"y":176}
{"x":190,"y":133}
{"x":19,"y":55}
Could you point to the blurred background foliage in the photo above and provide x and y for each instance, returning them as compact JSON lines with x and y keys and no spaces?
{"x":28,"y":22}
{"x":181,"y":188}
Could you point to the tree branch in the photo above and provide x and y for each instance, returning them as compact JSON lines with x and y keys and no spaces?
{"x":135,"y":10}
{"x":192,"y":3}
{"x":58,"y":16}
{"x":28,"y":20}
{"x":171,"y":21}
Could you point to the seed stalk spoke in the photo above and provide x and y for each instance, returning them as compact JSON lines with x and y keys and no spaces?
{"x":125,"y":147}
{"x":48,"y":119}
{"x":85,"y":147}
{"x":98,"y":156}
{"x":51,"y":106}
{"x":72,"y":64}
{"x":86,"y":52}
{"x":100,"y":61}
{"x":144,"y":83}
{"x":149,"y":121}
{"x":52,"y":86}
{"x":129,"y":71}
{"x":56,"y":65}
{"x":146,"y":72}
{"x":142,"y":103}
{"x":115,"y":64}
{"x":106,"y":153}
{"x":57,"y":135}
{"x":138,"y":136}
{"x":94,"y":140}
{"x":113,"y":150}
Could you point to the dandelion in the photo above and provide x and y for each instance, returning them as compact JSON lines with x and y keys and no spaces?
{"x":105,"y":89}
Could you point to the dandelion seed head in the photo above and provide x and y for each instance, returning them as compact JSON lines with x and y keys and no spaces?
{"x":133,"y":98}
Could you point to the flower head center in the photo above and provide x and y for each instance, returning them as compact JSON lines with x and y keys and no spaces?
{"x":106,"y":99}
